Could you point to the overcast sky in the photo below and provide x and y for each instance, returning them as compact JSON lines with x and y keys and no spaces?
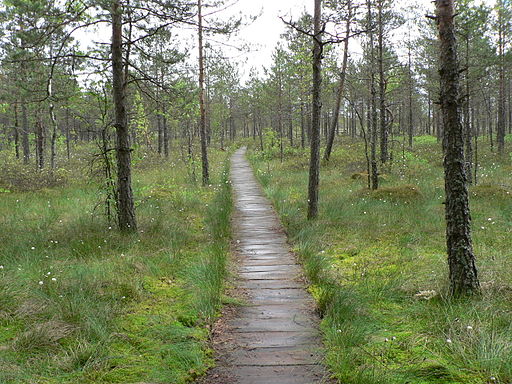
{"x":264,"y":33}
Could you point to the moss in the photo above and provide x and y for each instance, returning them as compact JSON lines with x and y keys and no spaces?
{"x":433,"y":370}
{"x":398,"y":193}
{"x":486,"y":191}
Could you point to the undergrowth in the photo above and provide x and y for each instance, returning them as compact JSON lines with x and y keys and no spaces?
{"x":377,"y":265}
{"x":81,"y":303}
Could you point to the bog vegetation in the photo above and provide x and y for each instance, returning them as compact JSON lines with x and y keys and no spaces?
{"x":382,"y":137}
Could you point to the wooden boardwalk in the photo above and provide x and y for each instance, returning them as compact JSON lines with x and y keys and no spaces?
{"x":274,"y":338}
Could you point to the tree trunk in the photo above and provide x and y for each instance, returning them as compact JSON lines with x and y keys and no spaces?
{"x":68,"y":136}
{"x":382,"y":91}
{"x":53,"y":119}
{"x":202,"y":109}
{"x":410,"y":120}
{"x":290,"y":116}
{"x":461,"y":260}
{"x":24,"y":134}
{"x":39,"y":142}
{"x":314,"y":165}
{"x":374,"y":176}
{"x":341,"y":86}
{"x":500,"y":126}
{"x":166,"y":136}
{"x":468,"y":126}
{"x":16,"y":131}
{"x":509,"y":106}
{"x":302,"y":126}
{"x":125,"y":204}
{"x":160,"y":134}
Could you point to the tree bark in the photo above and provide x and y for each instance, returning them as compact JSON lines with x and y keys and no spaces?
{"x":341,"y":86}
{"x":374,"y":175}
{"x":16,"y":131}
{"x":202,"y":109}
{"x":314,"y":164}
{"x":382,"y":90}
{"x":159,"y":133}
{"x":410,"y":119}
{"x":500,"y":126}
{"x":468,"y":126}
{"x":166,"y":136}
{"x":68,"y":136}
{"x":39,"y":142}
{"x":53,"y":119}
{"x":125,"y":204}
{"x":24,"y":133}
{"x":461,"y":260}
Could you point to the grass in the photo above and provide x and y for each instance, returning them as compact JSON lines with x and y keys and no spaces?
{"x":377,"y":265}
{"x":82,"y":303}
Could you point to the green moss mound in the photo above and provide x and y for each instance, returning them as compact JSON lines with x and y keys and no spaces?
{"x":490,"y":191}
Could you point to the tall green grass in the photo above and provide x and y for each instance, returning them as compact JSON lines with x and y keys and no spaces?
{"x":377,"y":266}
{"x":82,"y":303}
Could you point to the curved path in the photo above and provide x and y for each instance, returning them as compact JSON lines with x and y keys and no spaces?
{"x":274,"y":338}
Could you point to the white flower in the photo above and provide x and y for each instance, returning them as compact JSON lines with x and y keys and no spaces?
{"x":41,"y":283}
{"x":449,"y":341}
{"x":1,"y":267}
{"x":54,"y":279}
{"x":469,"y":327}
{"x":32,"y":248}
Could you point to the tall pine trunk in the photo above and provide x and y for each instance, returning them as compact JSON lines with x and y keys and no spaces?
{"x":468,"y":126}
{"x":39,"y":141}
{"x":16,"y":131}
{"x":500,"y":126}
{"x":341,"y":86}
{"x":202,"y":119}
{"x":53,"y":119}
{"x":125,"y":205}
{"x":314,"y":162}
{"x":374,"y":174}
{"x":24,"y":133}
{"x":461,"y":260}
{"x":382,"y":90}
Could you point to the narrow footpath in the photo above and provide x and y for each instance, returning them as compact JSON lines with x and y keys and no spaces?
{"x":274,"y":338}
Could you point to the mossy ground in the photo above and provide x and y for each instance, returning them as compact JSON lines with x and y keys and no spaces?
{"x":82,"y":303}
{"x":377,"y":265}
